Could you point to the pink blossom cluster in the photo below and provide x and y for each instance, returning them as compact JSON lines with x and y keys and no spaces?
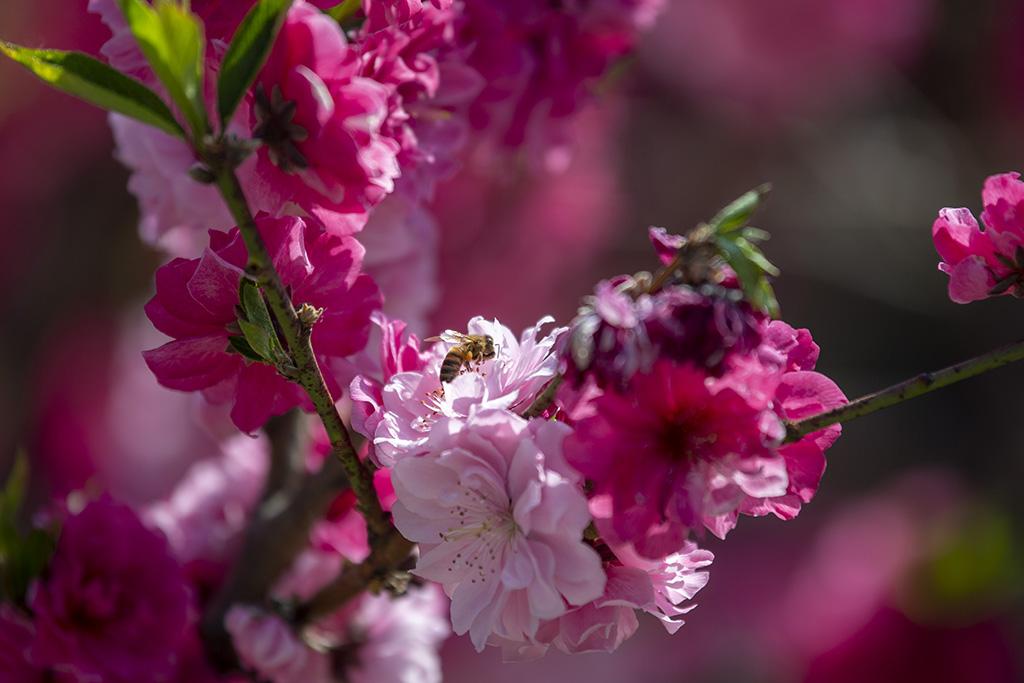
{"x":359,"y":124}
{"x":502,"y":519}
{"x":987,"y":259}
{"x":549,"y":513}
{"x":113,"y":605}
{"x":679,"y":401}
{"x":196,"y":304}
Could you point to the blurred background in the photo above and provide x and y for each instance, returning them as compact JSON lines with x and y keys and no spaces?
{"x":867,"y":116}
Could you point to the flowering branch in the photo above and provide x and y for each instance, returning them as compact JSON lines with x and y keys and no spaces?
{"x":375,"y":573}
{"x":911,"y":388}
{"x":296,"y":327}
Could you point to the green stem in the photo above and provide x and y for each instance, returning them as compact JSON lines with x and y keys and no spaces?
{"x":261,"y":269}
{"x":915,"y":386}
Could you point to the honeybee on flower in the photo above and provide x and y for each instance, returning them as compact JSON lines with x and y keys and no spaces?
{"x":470,"y":351}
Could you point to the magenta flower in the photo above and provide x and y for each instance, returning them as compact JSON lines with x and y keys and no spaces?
{"x":383,"y":13}
{"x":17,"y":634}
{"x":618,"y":333}
{"x":113,"y":605}
{"x":540,"y":60}
{"x":499,"y":517}
{"x":679,"y":449}
{"x":985,"y":260}
{"x":320,"y":122}
{"x":675,"y":448}
{"x":195,"y":304}
{"x":421,"y":65}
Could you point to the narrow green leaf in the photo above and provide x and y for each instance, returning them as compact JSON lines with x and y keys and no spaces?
{"x":757,"y":257}
{"x":14,"y":489}
{"x":736,"y":214}
{"x":242,"y":346}
{"x":750,"y":273}
{"x":344,"y":11}
{"x":259,"y":340}
{"x":246,"y":54}
{"x":97,"y":83}
{"x":172,"y":40}
{"x":259,"y":328}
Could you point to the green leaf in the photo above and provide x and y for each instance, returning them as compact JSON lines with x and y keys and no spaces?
{"x":242,"y":346}
{"x":14,"y":489}
{"x":756,"y":257}
{"x":246,"y":54}
{"x":258,"y":327}
{"x":748,"y":264}
{"x":97,"y":83}
{"x":259,"y":340}
{"x":344,"y":11}
{"x":736,"y":214}
{"x":172,"y":40}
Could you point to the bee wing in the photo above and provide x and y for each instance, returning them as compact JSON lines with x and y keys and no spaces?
{"x":450,"y":336}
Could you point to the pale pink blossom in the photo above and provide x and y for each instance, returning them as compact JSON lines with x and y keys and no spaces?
{"x":175,"y":212}
{"x":661,"y":587}
{"x":398,"y":353}
{"x":205,"y":515}
{"x":499,"y":517}
{"x":389,"y":639}
{"x":984,"y":260}
{"x":269,"y":646}
{"x":412,"y":401}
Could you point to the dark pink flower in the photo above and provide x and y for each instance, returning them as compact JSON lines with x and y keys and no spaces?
{"x":383,"y":13}
{"x":540,"y":61}
{"x":619,"y":332}
{"x":679,"y":448}
{"x":113,"y":605}
{"x":320,"y":122}
{"x":984,"y":260}
{"x":420,"y":64}
{"x":674,"y":449}
{"x":16,"y":636}
{"x":195,"y":304}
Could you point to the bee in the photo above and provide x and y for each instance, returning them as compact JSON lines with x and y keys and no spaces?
{"x":469,"y":348}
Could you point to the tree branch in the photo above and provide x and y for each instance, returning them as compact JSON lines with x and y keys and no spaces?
{"x":911,"y":388}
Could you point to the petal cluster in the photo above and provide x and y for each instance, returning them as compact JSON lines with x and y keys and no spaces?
{"x":196,"y":300}
{"x":987,"y":259}
{"x":499,"y":518}
{"x":320,"y":122}
{"x":113,"y":606}
{"x":679,"y":397}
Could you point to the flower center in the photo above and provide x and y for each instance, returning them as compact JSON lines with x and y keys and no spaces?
{"x":484,"y":527}
{"x":277,"y":130}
